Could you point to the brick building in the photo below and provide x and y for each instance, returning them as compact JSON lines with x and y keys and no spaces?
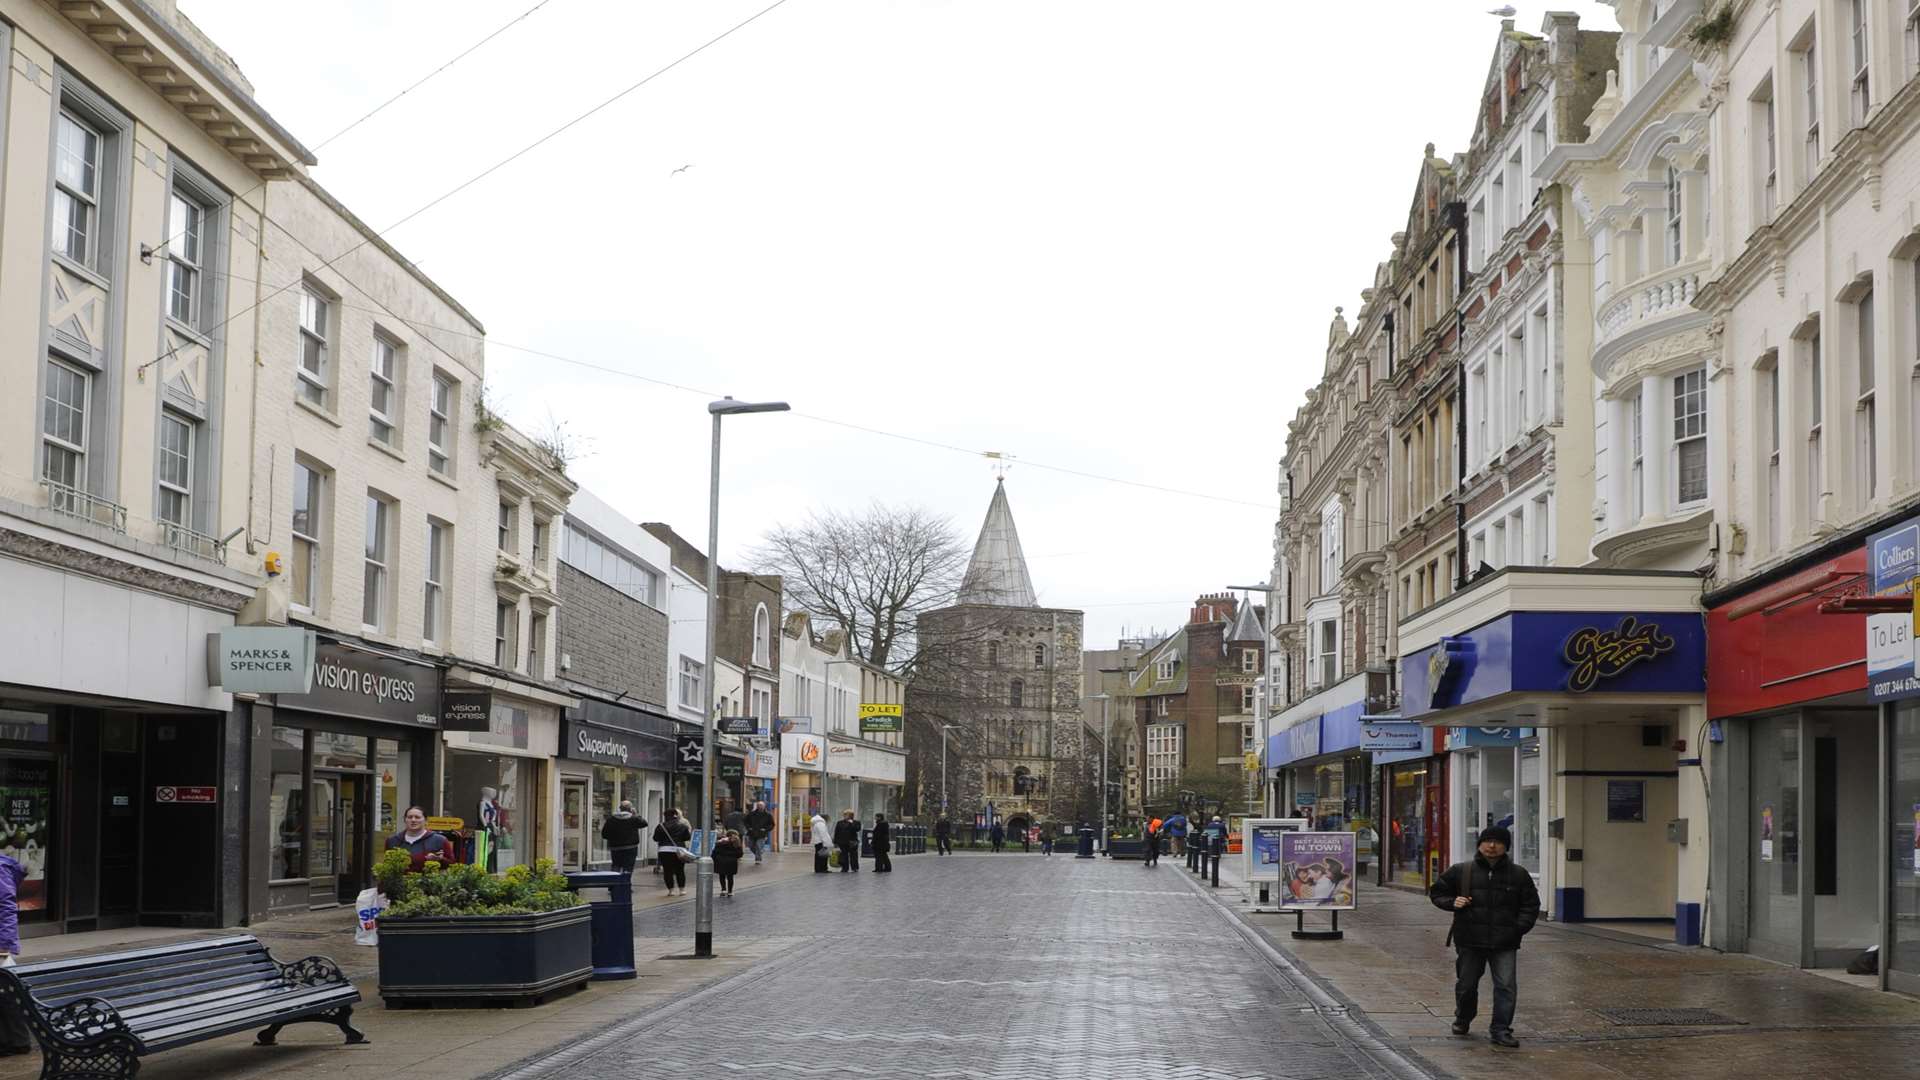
{"x":1193,"y":696}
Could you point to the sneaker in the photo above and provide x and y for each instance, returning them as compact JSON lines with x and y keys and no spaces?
{"x":1506,"y":1039}
{"x":1459,"y":1028}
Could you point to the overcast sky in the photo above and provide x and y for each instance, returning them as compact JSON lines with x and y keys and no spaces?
{"x":1100,"y":236}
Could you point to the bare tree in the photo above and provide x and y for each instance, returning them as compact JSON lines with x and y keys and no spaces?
{"x":869,"y":573}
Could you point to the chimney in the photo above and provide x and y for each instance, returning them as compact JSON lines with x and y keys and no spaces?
{"x":1211,"y":608}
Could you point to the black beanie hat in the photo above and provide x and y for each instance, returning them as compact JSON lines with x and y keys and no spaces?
{"x":1495,"y":832}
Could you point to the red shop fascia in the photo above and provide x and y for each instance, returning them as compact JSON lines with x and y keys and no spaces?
{"x":1769,"y":644}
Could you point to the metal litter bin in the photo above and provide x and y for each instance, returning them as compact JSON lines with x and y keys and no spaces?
{"x":612,"y":921}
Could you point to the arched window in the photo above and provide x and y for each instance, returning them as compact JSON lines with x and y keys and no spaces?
{"x":1015,"y":691}
{"x":1039,"y":657}
{"x":762,"y":637}
{"x":993,"y":654}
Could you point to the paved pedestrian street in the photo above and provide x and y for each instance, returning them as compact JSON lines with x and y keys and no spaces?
{"x":988,"y":966}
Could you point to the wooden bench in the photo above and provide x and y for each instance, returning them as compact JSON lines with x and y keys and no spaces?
{"x":96,"y":1016}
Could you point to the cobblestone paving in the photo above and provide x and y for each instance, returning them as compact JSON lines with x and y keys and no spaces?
{"x":984,"y":967}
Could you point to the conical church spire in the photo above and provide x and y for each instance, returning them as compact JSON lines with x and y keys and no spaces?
{"x":998,"y":573}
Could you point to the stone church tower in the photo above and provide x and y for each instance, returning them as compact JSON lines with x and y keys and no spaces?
{"x":1006,"y":672}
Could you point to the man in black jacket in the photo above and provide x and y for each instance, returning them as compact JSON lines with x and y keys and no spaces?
{"x":622,"y":833}
{"x":882,"y":845}
{"x":846,"y":837}
{"x":1494,"y":904}
{"x":759,"y":827}
{"x":943,"y":836}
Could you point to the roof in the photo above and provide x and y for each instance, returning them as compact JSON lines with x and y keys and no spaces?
{"x":997,"y":575}
{"x":1146,"y":681}
{"x":1246,"y":625}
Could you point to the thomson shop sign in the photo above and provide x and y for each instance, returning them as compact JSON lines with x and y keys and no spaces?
{"x":369,"y":686}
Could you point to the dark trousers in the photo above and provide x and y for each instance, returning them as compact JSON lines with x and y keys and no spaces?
{"x":946,"y":845}
{"x":624,"y":859}
{"x":1468,"y":966}
{"x":882,"y":862}
{"x":757,"y":843}
{"x":1153,"y":852}
{"x":674,"y":871}
{"x":726,"y":882}
{"x":849,"y":858}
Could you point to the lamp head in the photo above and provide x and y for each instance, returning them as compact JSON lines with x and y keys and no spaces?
{"x":729,"y":407}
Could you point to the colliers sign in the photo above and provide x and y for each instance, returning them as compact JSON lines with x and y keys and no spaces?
{"x":1599,"y":653}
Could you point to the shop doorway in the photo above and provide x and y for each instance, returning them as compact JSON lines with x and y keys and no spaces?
{"x":340,"y":828}
{"x":573,"y":824}
{"x":120,"y":804}
{"x":1813,"y":870}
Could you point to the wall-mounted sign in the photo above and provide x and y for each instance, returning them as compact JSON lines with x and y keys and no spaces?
{"x":446,"y":824}
{"x":261,"y":659}
{"x":806,"y":752}
{"x":369,"y":686}
{"x":1598,"y":653}
{"x":589,"y":742}
{"x":795,"y":725}
{"x":739,"y":725}
{"x":1627,"y":800}
{"x":1463,"y":738}
{"x":880,"y":716}
{"x":1383,"y":735}
{"x":170,"y":793}
{"x":689,"y":752}
{"x":732,"y":768}
{"x":466,"y":710}
{"x":1447,"y":666}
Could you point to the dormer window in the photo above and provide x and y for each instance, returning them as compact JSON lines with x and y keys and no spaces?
{"x":1163,"y":669}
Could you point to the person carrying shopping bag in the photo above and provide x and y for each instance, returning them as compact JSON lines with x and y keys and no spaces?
{"x":674,"y":835}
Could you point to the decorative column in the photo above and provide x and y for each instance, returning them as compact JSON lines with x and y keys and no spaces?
{"x":1653,"y":453}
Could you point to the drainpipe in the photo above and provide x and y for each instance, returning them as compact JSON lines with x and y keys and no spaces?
{"x":1388,"y":324}
{"x":253,"y":412}
{"x":1457,"y":219}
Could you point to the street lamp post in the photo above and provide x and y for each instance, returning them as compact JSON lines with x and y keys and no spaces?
{"x":703,"y":874}
{"x":944,"y":728}
{"x":1106,"y":736}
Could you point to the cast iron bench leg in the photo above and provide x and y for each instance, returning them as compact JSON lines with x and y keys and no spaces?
{"x":114,"y":1059}
{"x":341,"y":1018}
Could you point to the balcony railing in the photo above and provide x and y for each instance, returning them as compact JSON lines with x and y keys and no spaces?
{"x":197,"y":544}
{"x":86,"y":506}
{"x":1667,"y":293}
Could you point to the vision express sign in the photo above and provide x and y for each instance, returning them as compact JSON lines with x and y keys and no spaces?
{"x":368,"y":686}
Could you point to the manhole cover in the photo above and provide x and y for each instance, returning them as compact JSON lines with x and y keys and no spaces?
{"x":1665,"y":1017}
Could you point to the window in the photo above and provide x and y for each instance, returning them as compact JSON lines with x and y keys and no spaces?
{"x":1766,"y":121}
{"x":1163,"y":706}
{"x":175,"y":503}
{"x":433,"y":610}
{"x":507,"y":530}
{"x":1770,"y":387}
{"x":373,"y":602}
{"x":537,"y":647}
{"x":1865,"y":454}
{"x":540,"y":530}
{"x":762,"y":636}
{"x":1016,"y":690}
{"x":306,"y":567}
{"x":506,"y":625}
{"x":1477,"y":225}
{"x":313,"y":376}
{"x":1857,"y":27}
{"x":1542,"y":538}
{"x":384,"y":406}
{"x":1810,"y":89}
{"x":993,"y":654}
{"x":1516,"y":354}
{"x":440,"y":425}
{"x":76,"y":189}
{"x":1816,"y":476}
{"x":1675,"y":224}
{"x":1477,"y":406}
{"x":1636,"y":473}
{"x":1039,"y":657}
{"x":185,"y":220}
{"x":63,"y":427}
{"x":1249,"y":660}
{"x":1328,"y":660}
{"x":1163,"y":671}
{"x":1690,"y":436}
{"x":1542,"y":365}
{"x":691,"y":671}
{"x":1246,"y":699}
{"x":1913,"y":36}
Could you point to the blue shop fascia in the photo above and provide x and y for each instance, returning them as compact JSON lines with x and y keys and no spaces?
{"x":1574,"y":702}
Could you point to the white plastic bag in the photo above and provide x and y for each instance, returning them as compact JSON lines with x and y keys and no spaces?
{"x":366,"y":910}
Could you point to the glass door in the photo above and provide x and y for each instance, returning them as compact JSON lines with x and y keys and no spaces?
{"x":573,"y":824}
{"x":323,"y":831}
{"x":1773,"y":855}
{"x":353,"y":868}
{"x":1526,"y":825}
{"x":1472,"y":799}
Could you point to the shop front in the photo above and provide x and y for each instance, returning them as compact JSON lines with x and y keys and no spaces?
{"x":804,"y":759}
{"x":610,"y":754}
{"x":502,"y":785}
{"x":1575,"y":729}
{"x":338,"y":767}
{"x":1815,"y":717}
{"x":763,"y":773}
{"x":1322,"y":772}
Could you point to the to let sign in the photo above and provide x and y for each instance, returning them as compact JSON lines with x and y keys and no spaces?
{"x":880,"y":717}
{"x":174,"y":793}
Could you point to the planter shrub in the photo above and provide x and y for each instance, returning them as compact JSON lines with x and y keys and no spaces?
{"x":460,"y":933}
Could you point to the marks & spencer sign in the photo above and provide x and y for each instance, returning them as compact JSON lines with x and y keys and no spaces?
{"x":261,"y":659}
{"x":370,"y":686}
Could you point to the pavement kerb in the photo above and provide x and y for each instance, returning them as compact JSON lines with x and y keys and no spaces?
{"x":1335,"y":1008}
{"x":548,"y":1062}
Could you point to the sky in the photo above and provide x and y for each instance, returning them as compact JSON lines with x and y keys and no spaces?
{"x":1104,"y":238}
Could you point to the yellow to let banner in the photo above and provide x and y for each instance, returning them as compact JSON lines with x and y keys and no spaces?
{"x":877,"y":709}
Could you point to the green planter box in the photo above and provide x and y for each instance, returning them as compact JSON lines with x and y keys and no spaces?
{"x":484,"y":959}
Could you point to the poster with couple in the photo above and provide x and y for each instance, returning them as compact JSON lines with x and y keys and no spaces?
{"x":1316,"y":871}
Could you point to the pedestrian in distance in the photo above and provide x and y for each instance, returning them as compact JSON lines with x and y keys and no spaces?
{"x":846,"y":837}
{"x":14,"y":1036}
{"x":882,"y":845}
{"x":417,"y":840}
{"x":674,"y":835}
{"x":1152,"y":838}
{"x":1026,"y":839}
{"x":735,"y":819}
{"x":622,"y":833}
{"x":1046,"y":840}
{"x":1175,"y":829}
{"x":822,"y":843}
{"x":996,"y":836}
{"x":759,"y":830}
{"x":943,"y":836}
{"x":1494,"y":903}
{"x":726,"y":860}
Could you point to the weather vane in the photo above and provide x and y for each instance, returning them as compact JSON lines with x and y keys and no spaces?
{"x":1002,"y":463}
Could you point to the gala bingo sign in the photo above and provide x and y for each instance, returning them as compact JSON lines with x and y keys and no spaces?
{"x":1893,"y":564}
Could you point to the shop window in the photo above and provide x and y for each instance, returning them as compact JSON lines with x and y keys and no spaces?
{"x":493,"y":792}
{"x":286,"y":805}
{"x":394,"y":762}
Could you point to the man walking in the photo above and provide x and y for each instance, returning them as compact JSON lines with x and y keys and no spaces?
{"x":1494,"y":904}
{"x":1151,"y":837}
{"x":882,"y":845}
{"x":996,"y":836}
{"x":622,"y":833}
{"x":846,"y":837}
{"x":759,"y":830}
{"x":943,"y":835}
